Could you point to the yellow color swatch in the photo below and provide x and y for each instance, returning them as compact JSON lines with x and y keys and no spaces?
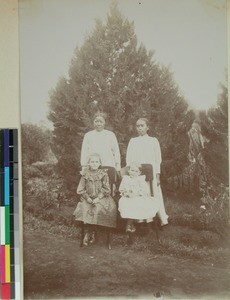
{"x":7,"y":262}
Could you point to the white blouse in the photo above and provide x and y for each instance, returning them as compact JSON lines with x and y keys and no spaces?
{"x":144,"y":150}
{"x":105,"y":144}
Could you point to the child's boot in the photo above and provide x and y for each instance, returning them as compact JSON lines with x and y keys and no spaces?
{"x":86,"y":239}
{"x":92,"y":237}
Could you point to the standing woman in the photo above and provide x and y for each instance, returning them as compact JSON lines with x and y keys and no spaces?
{"x":146,"y":151}
{"x":104,"y":143}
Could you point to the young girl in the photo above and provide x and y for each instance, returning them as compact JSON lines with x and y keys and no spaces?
{"x":96,"y":206}
{"x":135,"y":203}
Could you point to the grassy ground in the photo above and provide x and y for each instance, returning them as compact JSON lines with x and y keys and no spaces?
{"x":188,"y":264}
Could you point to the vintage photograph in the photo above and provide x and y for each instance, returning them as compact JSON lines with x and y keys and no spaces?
{"x":124,"y":125}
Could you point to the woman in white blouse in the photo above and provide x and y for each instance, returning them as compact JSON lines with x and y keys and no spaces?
{"x":144,"y":150}
{"x":104,"y":143}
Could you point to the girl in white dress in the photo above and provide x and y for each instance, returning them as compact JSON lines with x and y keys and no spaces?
{"x":145,"y":149}
{"x":136,"y":203}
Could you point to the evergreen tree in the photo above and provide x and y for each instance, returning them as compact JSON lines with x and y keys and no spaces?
{"x":214,"y":125}
{"x":111,"y":73}
{"x":35,"y":144}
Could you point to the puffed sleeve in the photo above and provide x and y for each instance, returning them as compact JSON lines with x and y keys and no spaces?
{"x":130,"y":153}
{"x":105,"y":191}
{"x":158,"y":158}
{"x":81,"y":189}
{"x":85,"y":150}
{"x":116,"y":151}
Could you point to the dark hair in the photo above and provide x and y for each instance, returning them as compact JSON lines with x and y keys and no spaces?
{"x":93,"y":155}
{"x":100,"y":114}
{"x":145,"y":120}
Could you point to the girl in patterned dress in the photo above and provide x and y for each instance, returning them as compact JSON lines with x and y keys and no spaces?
{"x":96,"y":206}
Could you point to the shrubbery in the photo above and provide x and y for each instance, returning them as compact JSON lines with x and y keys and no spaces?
{"x":42,"y":188}
{"x":211,"y":214}
{"x":43,"y":192}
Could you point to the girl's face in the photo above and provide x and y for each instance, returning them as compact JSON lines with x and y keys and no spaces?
{"x":142,"y":127}
{"x":134,"y":171}
{"x":99,"y":123}
{"x":94,"y":163}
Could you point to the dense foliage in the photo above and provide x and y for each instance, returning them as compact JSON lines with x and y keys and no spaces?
{"x":35,"y":143}
{"x":111,"y":73}
{"x":214,"y":126}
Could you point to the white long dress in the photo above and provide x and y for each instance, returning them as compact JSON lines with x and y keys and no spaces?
{"x":136,"y":203}
{"x":105,"y":144}
{"x":146,"y":150}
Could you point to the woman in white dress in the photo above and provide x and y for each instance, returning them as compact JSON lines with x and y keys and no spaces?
{"x":104,"y":143}
{"x":145,"y":150}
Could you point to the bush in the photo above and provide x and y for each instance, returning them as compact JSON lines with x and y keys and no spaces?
{"x":211,"y":214}
{"x":214,"y":212}
{"x":35,"y":143}
{"x":42,"y":193}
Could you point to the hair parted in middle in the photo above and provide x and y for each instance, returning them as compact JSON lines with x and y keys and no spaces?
{"x":145,"y":120}
{"x":94,"y":155}
{"x":100,"y":114}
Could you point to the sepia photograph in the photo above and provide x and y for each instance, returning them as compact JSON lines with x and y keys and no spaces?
{"x":124,"y":136}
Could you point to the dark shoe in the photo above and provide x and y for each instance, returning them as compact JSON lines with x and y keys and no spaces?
{"x":128,"y":228}
{"x":92,"y":238}
{"x":86,"y":239}
{"x":133,"y":228}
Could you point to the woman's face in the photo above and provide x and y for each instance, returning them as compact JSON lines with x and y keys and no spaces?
{"x":142,"y":127}
{"x":99,"y":123}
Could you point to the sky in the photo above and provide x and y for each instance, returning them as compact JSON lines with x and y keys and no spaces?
{"x":190,"y":36}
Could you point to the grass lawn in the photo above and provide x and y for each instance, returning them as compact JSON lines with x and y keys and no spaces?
{"x":56,"y":268}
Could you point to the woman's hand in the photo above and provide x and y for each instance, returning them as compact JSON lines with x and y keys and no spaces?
{"x":118,"y":167}
{"x":158,"y":179}
{"x":119,"y":174}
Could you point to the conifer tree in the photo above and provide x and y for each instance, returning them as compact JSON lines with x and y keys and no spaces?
{"x":111,"y":73}
{"x":214,"y":126}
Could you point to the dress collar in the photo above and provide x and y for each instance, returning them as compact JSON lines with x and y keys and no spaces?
{"x":143,"y":136}
{"x":99,"y":132}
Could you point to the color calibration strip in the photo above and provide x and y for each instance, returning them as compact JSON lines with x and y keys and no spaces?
{"x":9,"y":216}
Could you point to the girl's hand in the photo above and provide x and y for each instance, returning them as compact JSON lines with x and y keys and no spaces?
{"x":89,"y":200}
{"x":124,"y":194}
{"x":141,"y":193}
{"x":96,"y":200}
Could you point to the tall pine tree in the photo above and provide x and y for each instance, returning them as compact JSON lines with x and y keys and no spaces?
{"x":111,"y":73}
{"x":214,"y":126}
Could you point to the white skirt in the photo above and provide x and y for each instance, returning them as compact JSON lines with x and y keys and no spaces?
{"x":138,"y":208}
